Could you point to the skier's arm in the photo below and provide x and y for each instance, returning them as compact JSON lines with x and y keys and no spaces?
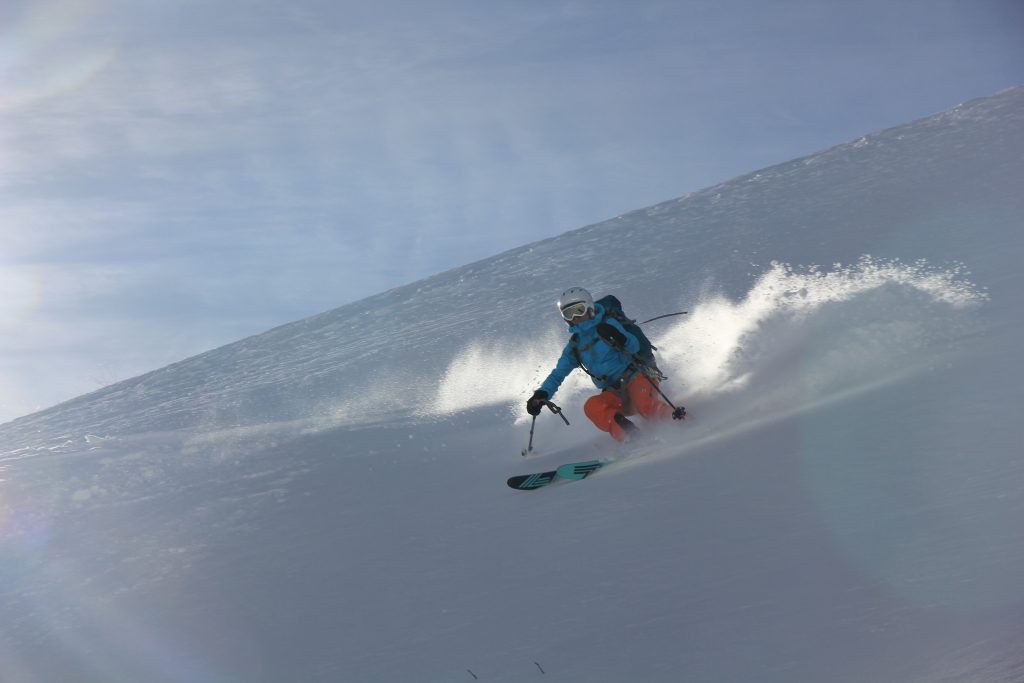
{"x":566,"y":364}
{"x":612,"y":332}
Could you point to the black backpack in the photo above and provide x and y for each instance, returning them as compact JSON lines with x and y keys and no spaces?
{"x":613,"y":310}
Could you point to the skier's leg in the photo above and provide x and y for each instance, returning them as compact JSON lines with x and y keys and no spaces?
{"x":646,"y":400}
{"x":601,"y":410}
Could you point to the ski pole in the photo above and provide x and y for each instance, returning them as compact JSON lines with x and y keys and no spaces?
{"x":678,"y":413}
{"x":554,"y":409}
{"x":529,"y":447}
{"x":667,"y":315}
{"x":557,"y":411}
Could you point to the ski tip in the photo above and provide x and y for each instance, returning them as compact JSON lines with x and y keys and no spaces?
{"x":529,"y":482}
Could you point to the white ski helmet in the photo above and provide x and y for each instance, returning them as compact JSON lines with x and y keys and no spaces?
{"x":575,"y":295}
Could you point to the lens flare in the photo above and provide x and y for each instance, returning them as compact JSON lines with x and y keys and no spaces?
{"x":42,"y":53}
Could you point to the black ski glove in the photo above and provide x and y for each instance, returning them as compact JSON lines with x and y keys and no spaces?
{"x":612,"y":336}
{"x":536,"y":402}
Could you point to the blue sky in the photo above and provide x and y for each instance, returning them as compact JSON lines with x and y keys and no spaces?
{"x":177,"y":175}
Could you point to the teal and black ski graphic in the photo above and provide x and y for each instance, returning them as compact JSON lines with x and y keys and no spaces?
{"x":571,"y":471}
{"x":579,"y":470}
{"x":528,"y":482}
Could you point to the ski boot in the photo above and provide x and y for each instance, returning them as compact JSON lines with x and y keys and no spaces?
{"x":627,"y":426}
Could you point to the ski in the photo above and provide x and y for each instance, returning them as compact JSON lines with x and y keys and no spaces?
{"x":528,"y":482}
{"x":571,"y":471}
{"x":579,"y":470}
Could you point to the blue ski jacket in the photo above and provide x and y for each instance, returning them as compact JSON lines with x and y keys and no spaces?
{"x":606,"y":365}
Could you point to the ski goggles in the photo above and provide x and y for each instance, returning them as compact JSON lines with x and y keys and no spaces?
{"x":575,"y":310}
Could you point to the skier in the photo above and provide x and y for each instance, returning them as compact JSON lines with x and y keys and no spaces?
{"x":604,"y":349}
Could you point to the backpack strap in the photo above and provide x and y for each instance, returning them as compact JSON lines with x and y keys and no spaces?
{"x":574,"y":344}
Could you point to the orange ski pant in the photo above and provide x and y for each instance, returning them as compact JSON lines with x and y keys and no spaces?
{"x":639,"y":397}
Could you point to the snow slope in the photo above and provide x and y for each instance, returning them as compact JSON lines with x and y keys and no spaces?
{"x":325,"y":501}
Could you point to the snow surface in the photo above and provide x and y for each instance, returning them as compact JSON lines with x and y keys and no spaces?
{"x":326,"y":501}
